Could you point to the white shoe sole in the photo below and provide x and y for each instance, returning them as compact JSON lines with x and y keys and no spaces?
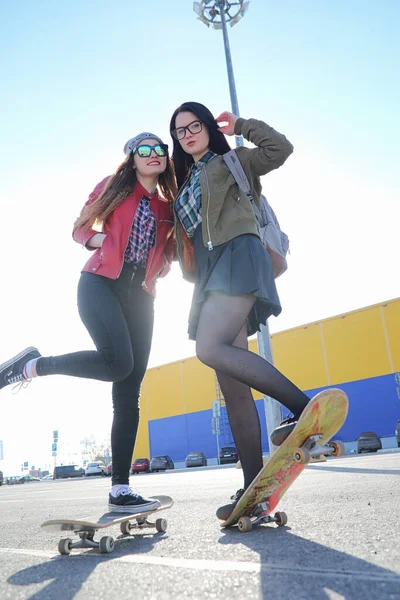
{"x":132,"y":510}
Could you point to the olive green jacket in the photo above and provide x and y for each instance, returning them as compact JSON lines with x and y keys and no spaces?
{"x":226,"y":211}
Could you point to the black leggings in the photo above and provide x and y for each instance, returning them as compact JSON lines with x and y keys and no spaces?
{"x":119,"y":316}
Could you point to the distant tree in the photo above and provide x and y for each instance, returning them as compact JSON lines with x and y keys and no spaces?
{"x":92,"y":451}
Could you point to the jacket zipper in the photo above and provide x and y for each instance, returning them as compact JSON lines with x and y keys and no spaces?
{"x":209,"y":243}
{"x":127,"y":241}
{"x":176,"y":218}
{"x":144,"y":284}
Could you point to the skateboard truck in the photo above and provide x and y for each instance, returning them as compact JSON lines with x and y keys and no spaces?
{"x":313,"y":449}
{"x":260,"y":514}
{"x":106,"y":543}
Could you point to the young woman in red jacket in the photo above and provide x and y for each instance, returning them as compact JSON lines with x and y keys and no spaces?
{"x":116,"y":296}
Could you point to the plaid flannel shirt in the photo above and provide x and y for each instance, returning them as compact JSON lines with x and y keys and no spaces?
{"x":143,"y":234}
{"x":188,"y":204}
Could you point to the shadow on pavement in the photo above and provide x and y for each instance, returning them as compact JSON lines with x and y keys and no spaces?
{"x":294,"y":567}
{"x":67,"y":574}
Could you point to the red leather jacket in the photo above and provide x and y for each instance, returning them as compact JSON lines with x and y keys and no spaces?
{"x":109,"y":259}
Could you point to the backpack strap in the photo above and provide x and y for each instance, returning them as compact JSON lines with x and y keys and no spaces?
{"x":233,"y":163}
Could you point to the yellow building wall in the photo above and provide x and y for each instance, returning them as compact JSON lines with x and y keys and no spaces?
{"x":357,"y":345}
{"x":391,"y":319}
{"x":298,"y":353}
{"x":199,"y":383}
{"x":164,"y":391}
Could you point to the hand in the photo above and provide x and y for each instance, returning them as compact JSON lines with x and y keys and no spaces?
{"x":230,"y":120}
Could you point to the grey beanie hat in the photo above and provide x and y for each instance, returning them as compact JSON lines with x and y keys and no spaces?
{"x":133,"y":143}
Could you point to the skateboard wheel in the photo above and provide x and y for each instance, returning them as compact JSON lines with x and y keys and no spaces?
{"x":125,"y":527}
{"x":161,"y":525}
{"x":245,"y":524}
{"x":65,"y":546}
{"x":280,"y":518}
{"x":106,"y":544}
{"x":302,"y":456}
{"x":338,"y":448}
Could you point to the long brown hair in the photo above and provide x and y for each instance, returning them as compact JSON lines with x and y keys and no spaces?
{"x":118,"y":187}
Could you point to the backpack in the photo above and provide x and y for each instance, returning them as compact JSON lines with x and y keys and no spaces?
{"x":274,"y":240}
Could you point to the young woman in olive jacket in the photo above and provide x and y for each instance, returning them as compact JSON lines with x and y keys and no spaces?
{"x":220,"y":250}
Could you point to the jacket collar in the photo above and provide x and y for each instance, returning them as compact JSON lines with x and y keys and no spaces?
{"x":203,"y":160}
{"x":140,"y":191}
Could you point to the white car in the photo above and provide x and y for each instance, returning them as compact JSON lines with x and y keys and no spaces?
{"x":96,"y":468}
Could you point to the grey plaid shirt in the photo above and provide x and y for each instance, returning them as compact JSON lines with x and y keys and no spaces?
{"x":188,"y":204}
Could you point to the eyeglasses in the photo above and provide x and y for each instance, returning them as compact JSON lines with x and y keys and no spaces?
{"x":144,"y":151}
{"x":193,"y":127}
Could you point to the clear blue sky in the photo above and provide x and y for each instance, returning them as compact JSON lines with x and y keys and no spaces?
{"x":80,"y":78}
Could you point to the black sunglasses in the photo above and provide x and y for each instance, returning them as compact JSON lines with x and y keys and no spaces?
{"x":144,"y":150}
{"x":193,"y":127}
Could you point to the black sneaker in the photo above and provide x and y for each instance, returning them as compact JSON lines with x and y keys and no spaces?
{"x":224,"y":512}
{"x":131,"y":503}
{"x":280,"y":433}
{"x":12,"y":371}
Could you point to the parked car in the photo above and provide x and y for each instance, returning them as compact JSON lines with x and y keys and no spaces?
{"x":47,"y":478}
{"x":109,"y":469}
{"x":228,"y":454}
{"x":140,"y":465}
{"x":368,"y":442}
{"x":96,"y":468}
{"x":28,"y":479}
{"x":397,"y":433}
{"x":12,"y":480}
{"x":64,"y":471}
{"x":161,"y":463}
{"x":1,"y":478}
{"x":196,"y":459}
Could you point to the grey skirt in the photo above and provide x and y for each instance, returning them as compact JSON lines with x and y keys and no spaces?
{"x":239,"y":267}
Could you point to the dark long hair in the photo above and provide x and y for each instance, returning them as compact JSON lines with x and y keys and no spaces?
{"x":118,"y":187}
{"x":218,"y":144}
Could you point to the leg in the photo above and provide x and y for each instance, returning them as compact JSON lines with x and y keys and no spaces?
{"x":139,"y":313}
{"x":243,"y":419}
{"x":103,"y":317}
{"x":221,"y":319}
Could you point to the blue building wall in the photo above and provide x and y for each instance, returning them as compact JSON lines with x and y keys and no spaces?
{"x":374,"y":406}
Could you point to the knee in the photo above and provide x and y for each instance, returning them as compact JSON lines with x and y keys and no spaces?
{"x":206,"y":352}
{"x":119,"y":366}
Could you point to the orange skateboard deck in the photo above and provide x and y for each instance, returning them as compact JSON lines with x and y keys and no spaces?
{"x":87,"y":528}
{"x":323,"y":416}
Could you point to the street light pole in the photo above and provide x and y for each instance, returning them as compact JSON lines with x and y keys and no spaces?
{"x":217,"y":13}
{"x":229,"y":67}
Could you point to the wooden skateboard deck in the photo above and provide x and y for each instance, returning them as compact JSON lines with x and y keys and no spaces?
{"x":323,"y":416}
{"x":87,"y":528}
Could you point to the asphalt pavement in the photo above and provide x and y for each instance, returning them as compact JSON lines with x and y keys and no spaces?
{"x":341,"y":540}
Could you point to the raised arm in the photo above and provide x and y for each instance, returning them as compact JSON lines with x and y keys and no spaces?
{"x":272,"y":147}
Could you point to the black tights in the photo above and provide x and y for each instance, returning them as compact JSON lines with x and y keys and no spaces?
{"x":221,"y":343}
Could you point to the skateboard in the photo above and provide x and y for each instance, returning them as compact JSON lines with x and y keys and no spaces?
{"x":86,"y":529}
{"x":323,"y":416}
